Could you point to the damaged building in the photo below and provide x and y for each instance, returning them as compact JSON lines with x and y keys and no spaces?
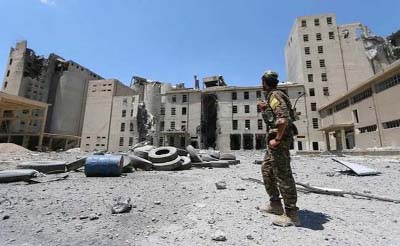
{"x":53,"y":80}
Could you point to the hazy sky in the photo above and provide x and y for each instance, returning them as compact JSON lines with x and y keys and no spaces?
{"x":171,"y":40}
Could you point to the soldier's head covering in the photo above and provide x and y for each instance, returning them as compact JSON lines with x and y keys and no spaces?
{"x":270,"y":78}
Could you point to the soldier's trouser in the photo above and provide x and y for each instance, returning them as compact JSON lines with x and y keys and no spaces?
{"x":277,"y":174}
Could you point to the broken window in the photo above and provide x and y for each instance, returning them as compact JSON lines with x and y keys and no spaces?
{"x":305,"y":37}
{"x":234,"y":95}
{"x":320,"y":49}
{"x":162,"y":125}
{"x":258,"y":109}
{"x":319,"y":36}
{"x":316,"y":22}
{"x":123,"y":113}
{"x":8,"y":73}
{"x":299,"y":145}
{"x":307,"y":50}
{"x":5,"y":84}
{"x":234,"y":109}
{"x":247,"y":109}
{"x":325,"y":91}
{"x":355,"y":116}
{"x":122,"y":127}
{"x":235,"y":141}
{"x":184,"y":98}
{"x":162,"y":111}
{"x":391,"y":124}
{"x":184,"y":111}
{"x":331,"y":35}
{"x":315,"y":146}
{"x":315,"y":123}
{"x":313,"y":106}
{"x":161,"y":141}
{"x":312,"y":92}
{"x":171,"y":141}
{"x":172,"y":125}
{"x":261,"y":141}
{"x":248,"y":141}
{"x":131,"y":127}
{"x":321,"y":63}
{"x":174,"y":98}
{"x":125,"y":101}
{"x":303,"y":23}
{"x":246,"y":95}
{"x":310,"y":78}
{"x":183,"y":125}
{"x":258,"y":94}
{"x":130,"y":141}
{"x":324,"y":77}
{"x":260,"y":124}
{"x":308,"y":64}
{"x":247,"y":124}
{"x":121,"y":141}
{"x":329,"y":20}
{"x":11,"y":60}
{"x":234,"y":124}
{"x":173,"y":111}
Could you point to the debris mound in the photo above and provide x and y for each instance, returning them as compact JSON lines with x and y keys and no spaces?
{"x":12,"y":148}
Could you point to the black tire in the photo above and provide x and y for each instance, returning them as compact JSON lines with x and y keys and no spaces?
{"x":182,"y":152}
{"x":193,"y":155}
{"x":138,"y":162}
{"x":143,"y":152}
{"x":206,"y":157}
{"x":44,"y":166}
{"x":163,"y":154}
{"x":168,"y":166}
{"x":186,"y":163}
{"x":227,"y":156}
{"x":8,"y":176}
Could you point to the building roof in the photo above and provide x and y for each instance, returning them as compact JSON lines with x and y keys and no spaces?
{"x":12,"y":102}
{"x":392,"y":67}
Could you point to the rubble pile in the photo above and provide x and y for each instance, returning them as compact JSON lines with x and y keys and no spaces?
{"x":12,"y":148}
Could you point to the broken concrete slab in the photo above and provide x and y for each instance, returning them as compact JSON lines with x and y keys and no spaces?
{"x":76,"y":164}
{"x":358,"y":169}
{"x":8,"y":176}
{"x":45,"y":166}
{"x":193,"y":154}
{"x":141,"y":163}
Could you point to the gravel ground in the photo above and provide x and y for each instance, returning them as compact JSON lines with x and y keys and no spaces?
{"x":185,"y":208}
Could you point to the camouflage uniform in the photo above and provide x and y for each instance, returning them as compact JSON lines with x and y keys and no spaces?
{"x":276,"y":170}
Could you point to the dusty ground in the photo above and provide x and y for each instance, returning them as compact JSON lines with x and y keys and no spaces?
{"x":191,"y":209}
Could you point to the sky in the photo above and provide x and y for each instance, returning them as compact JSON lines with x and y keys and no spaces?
{"x":172,"y":40}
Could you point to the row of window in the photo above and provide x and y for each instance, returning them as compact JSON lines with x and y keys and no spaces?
{"x":123,"y":113}
{"x":320,"y":50}
{"x":318,"y":36}
{"x":184,"y":98}
{"x":235,"y":124}
{"x":122,"y":140}
{"x":246,"y":95}
{"x":386,"y":125}
{"x":173,"y":111}
{"x":246,"y":109}
{"x":383,"y":85}
{"x":317,"y":22}
{"x":310,"y":77}
{"x":325,"y":91}
{"x":321,"y":63}
{"x":173,"y":125}
{"x":131,"y":127}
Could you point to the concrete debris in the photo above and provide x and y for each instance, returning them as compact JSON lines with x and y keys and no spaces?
{"x":358,"y":169}
{"x":123,"y":205}
{"x":12,"y":148}
{"x":219,"y":236}
{"x":221,"y":185}
{"x":45,"y":166}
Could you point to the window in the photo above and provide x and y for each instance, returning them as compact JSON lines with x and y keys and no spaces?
{"x":183,"y":142}
{"x":366,"y":129}
{"x":341,"y":105}
{"x":234,"y":109}
{"x":324,"y":77}
{"x":162,"y":111}
{"x":184,"y":111}
{"x":386,"y":84}
{"x":321,"y":63}
{"x":329,"y":20}
{"x":247,"y":109}
{"x":5,"y":84}
{"x":331,"y":35}
{"x":355,"y":116}
{"x":161,"y":141}
{"x":247,"y":124}
{"x":313,"y":106}
{"x":234,"y":124}
{"x":131,"y":112}
{"x":303,"y":23}
{"x":391,"y":124}
{"x":246,"y":95}
{"x":8,"y":73}
{"x":130,"y":141}
{"x":172,"y":125}
{"x":123,"y":113}
{"x":320,"y":49}
{"x":10,"y":62}
{"x":183,"y":125}
{"x":131,"y":127}
{"x":258,"y":109}
{"x":305,"y":37}
{"x":171,"y":141}
{"x":121,"y":141}
{"x":307,"y":50}
{"x":315,"y":146}
{"x":234,"y":95}
{"x":174,"y":98}
{"x":162,"y":125}
{"x":260,"y":124}
{"x":325,"y":91}
{"x":258,"y":94}
{"x":122,"y":127}
{"x":310,"y":78}
{"x":312,"y":92}
{"x":124,"y":100}
{"x":361,"y":96}
{"x":173,"y":111}
{"x":315,"y":123}
{"x":316,"y":22}
{"x":308,"y":64}
{"x":184,"y":98}
{"x":318,"y":36}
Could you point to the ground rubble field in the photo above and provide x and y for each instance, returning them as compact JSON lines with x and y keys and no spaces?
{"x":186,"y":208}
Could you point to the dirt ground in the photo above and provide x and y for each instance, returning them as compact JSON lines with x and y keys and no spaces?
{"x":185,"y":208}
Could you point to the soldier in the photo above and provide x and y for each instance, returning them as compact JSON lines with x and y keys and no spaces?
{"x":276,"y":171}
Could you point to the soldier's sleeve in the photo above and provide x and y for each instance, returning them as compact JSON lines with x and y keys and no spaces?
{"x":280,"y":109}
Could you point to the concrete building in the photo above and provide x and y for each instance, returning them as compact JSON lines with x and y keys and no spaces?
{"x":330,"y":60}
{"x":110,"y":122}
{"x":367,"y":116}
{"x":61,"y":84}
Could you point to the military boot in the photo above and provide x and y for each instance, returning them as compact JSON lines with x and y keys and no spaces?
{"x":290,"y":218}
{"x":274,"y":207}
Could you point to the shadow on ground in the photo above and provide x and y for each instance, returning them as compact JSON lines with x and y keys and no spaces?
{"x":313,"y":220}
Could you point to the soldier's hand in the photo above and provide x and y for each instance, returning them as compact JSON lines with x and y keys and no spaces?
{"x":273,"y":143}
{"x":262,"y":105}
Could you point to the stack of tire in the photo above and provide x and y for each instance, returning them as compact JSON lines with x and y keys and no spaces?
{"x":161,"y":159}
